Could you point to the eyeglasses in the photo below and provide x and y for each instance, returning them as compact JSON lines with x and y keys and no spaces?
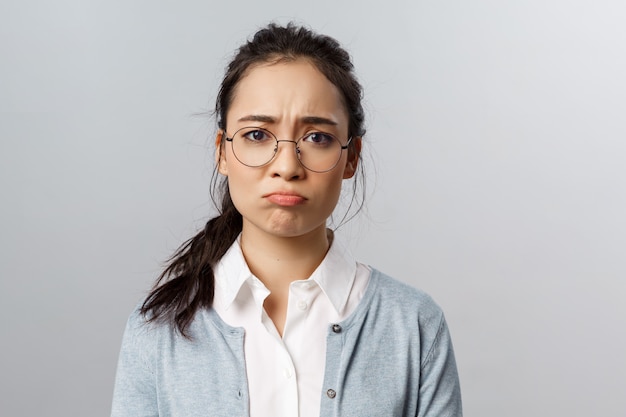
{"x":316,"y":151}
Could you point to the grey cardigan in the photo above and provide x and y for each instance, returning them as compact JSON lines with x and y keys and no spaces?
{"x":392,"y":357}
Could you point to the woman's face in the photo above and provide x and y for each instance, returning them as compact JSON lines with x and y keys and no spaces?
{"x":283,"y":198}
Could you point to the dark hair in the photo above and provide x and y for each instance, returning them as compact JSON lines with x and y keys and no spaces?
{"x":188,"y":283}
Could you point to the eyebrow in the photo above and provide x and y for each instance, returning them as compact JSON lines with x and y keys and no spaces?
{"x":314,"y":120}
{"x":257,"y":118}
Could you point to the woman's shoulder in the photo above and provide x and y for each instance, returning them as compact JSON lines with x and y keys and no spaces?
{"x":143,"y":326}
{"x":395,"y":288}
{"x":139,"y":324}
{"x":396,"y":297}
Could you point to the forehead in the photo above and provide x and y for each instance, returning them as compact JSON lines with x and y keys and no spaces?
{"x":285,"y":90}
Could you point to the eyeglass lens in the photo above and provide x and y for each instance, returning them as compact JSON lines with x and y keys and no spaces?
{"x":317,"y":151}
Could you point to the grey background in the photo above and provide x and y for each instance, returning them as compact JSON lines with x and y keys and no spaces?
{"x":495,"y":154}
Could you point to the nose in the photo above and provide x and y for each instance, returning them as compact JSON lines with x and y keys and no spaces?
{"x":286,"y":163}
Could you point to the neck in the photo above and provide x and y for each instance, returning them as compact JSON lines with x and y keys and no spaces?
{"x":277,"y":261}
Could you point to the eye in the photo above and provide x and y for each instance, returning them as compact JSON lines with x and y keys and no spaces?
{"x":256,"y":135}
{"x":319,"y":139}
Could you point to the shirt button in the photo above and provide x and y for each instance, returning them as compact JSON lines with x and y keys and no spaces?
{"x":302,"y":305}
{"x":336,"y":328}
{"x":331,"y":393}
{"x":287,"y":372}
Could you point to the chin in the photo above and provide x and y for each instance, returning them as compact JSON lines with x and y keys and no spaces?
{"x":291,"y":229}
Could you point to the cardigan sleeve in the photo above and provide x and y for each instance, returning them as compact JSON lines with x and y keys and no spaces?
{"x":135,"y":388}
{"x":440,"y":392}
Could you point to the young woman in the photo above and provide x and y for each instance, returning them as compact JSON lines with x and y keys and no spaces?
{"x":264,"y":313}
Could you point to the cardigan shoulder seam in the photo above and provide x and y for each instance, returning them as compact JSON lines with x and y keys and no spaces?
{"x":431,"y":350}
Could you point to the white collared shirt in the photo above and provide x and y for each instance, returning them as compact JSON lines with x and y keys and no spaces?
{"x":285,"y":375}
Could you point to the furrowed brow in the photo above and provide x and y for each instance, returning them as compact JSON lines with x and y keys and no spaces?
{"x":313,"y":120}
{"x":316,"y":120}
{"x":257,"y":118}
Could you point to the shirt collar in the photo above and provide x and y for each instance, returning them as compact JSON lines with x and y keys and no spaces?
{"x":231,"y":272}
{"x":335,"y":275}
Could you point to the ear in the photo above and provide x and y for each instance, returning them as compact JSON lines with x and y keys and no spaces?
{"x":220,"y":157}
{"x":354,"y":151}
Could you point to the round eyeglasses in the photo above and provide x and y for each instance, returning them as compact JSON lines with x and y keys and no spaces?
{"x":316,"y":151}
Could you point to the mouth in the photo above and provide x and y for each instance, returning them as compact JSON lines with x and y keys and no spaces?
{"x":285,"y":198}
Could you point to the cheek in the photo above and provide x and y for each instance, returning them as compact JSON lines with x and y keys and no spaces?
{"x":331,"y":190}
{"x":225,"y":160}
{"x":239,"y":185}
